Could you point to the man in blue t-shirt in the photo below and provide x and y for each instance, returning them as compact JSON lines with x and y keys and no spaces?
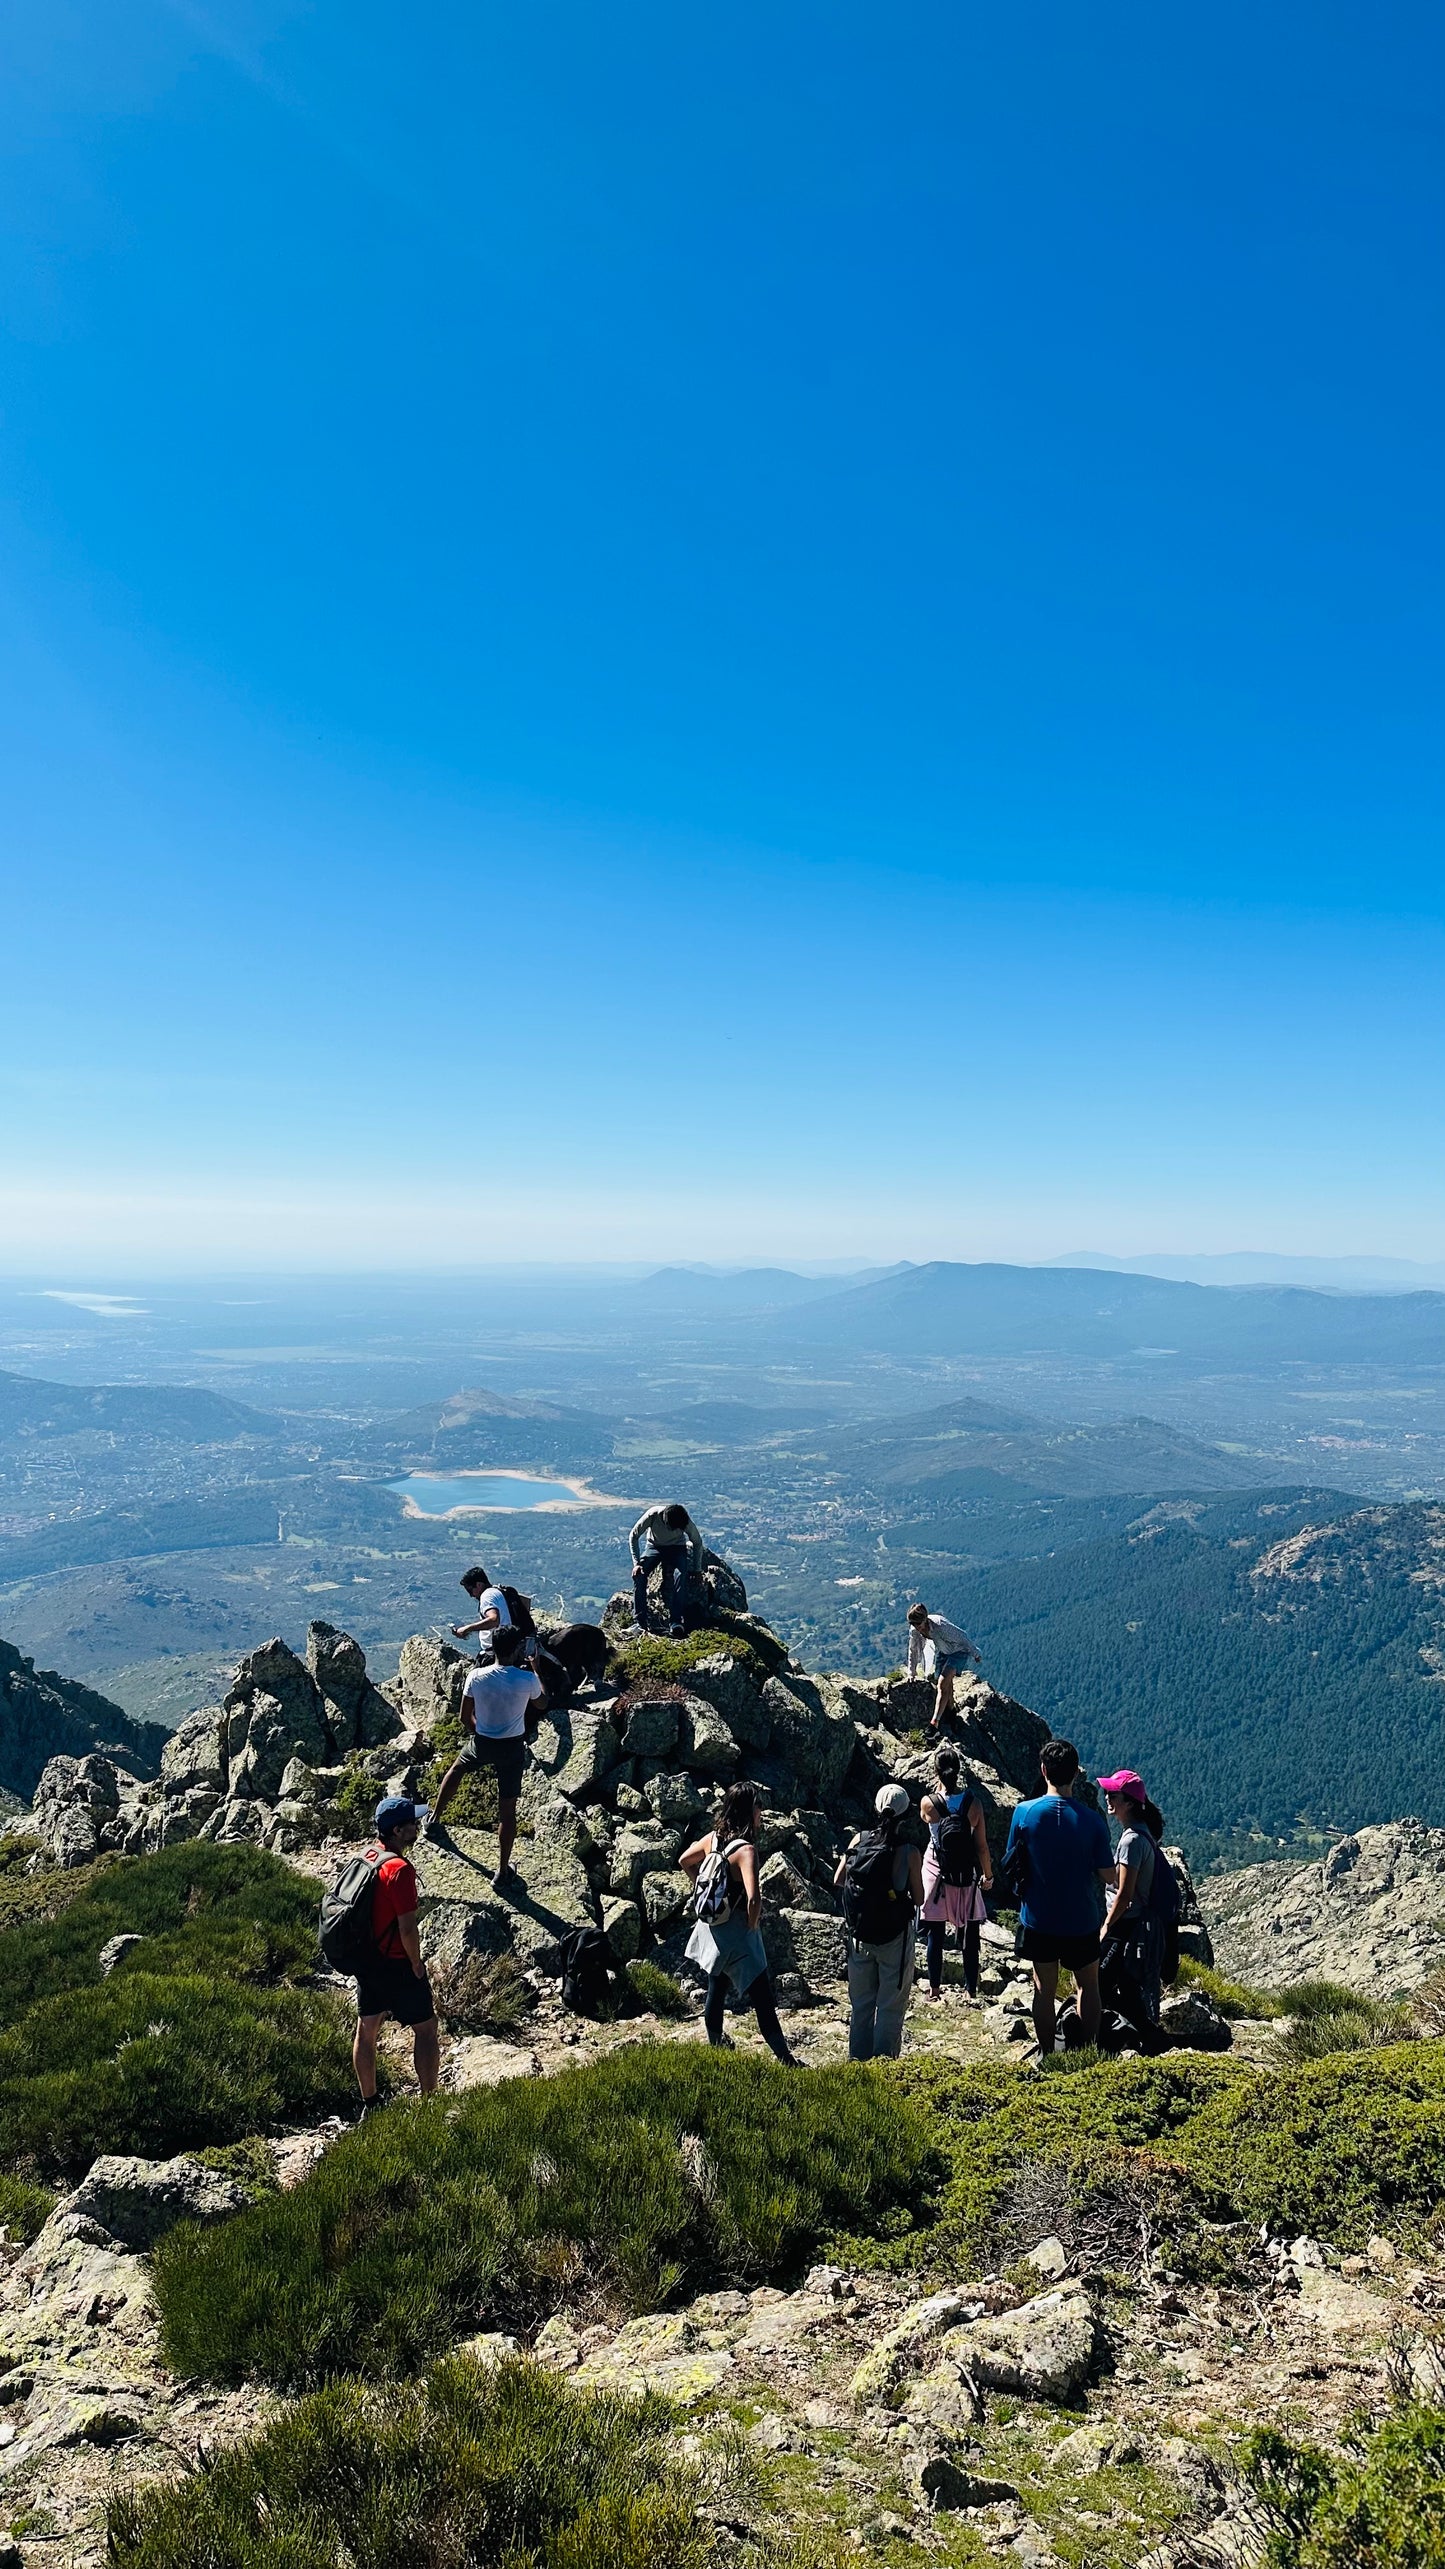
{"x":1069,"y":1861}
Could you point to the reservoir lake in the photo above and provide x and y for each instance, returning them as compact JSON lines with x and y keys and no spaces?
{"x":436,"y":1494}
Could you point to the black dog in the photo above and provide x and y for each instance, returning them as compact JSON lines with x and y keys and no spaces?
{"x":579,"y":1657}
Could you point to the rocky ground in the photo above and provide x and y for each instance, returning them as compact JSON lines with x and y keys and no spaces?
{"x":1371,"y":1914}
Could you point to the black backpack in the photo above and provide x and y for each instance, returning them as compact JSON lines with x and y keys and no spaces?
{"x":588,"y":1972}
{"x":520,"y":1610}
{"x":1165,"y":1905}
{"x":1013,"y":1873}
{"x":873,"y":1911}
{"x":347,"y":1942}
{"x":957,"y":1856}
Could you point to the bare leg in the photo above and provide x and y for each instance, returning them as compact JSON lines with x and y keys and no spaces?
{"x":1090,"y":2008}
{"x":363,"y":2055}
{"x":426,"y":2051}
{"x":506,"y":1834}
{"x":943,"y":1702}
{"x":1046,"y":1982}
{"x":449,"y":1783}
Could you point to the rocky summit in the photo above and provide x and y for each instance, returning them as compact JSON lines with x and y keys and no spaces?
{"x":1370,"y":1914}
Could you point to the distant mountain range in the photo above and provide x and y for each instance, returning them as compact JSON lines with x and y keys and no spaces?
{"x":954,"y":1310}
{"x":970,"y":1450}
{"x":1262,"y":1266}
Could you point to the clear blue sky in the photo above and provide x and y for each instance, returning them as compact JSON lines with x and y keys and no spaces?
{"x":808,"y":629}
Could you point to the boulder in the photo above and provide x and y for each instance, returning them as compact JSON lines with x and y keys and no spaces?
{"x":675,"y":1801}
{"x":429,"y":1680}
{"x":665,"y":1897}
{"x":783,"y":1885}
{"x":622,"y":1926}
{"x":1191,"y":2022}
{"x":812,"y":1731}
{"x":194,"y":1757}
{"x":799,"y":1940}
{"x":110,"y":1954}
{"x":462,"y":1912}
{"x":578,"y":1751}
{"x":275,"y":1674}
{"x":883,"y":2365}
{"x":637,"y":1850}
{"x":651,"y":1725}
{"x":137,"y":2200}
{"x":726,"y":1684}
{"x":1045,"y":2350}
{"x":706,"y":1744}
{"x":945,"y":2484}
{"x":356,"y":1713}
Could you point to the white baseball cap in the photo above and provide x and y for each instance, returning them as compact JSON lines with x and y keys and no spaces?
{"x":890,"y":1802}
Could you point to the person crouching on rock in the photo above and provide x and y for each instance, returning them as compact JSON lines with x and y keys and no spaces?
{"x":665,"y":1539}
{"x":957,"y":1871}
{"x":943,"y":1652}
{"x":494,"y":1715}
{"x":393,"y":1981}
{"x":881,"y":1879}
{"x":727,"y":1906}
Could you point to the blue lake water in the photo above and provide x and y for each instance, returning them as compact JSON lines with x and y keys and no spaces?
{"x":436,"y":1495}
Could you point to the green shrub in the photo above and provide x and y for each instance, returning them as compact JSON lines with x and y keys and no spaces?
{"x":1231,"y":1997}
{"x":23,"y":2208}
{"x":646,"y":2174}
{"x":155,"y":2063}
{"x":1379,"y":2506}
{"x":483,"y":1993}
{"x":488,"y":2467}
{"x":656,"y":1991}
{"x":221,"y":1908}
{"x":652,"y":1655}
{"x":1355,"y":2025}
{"x":351,"y":1811}
{"x":27,"y":1898}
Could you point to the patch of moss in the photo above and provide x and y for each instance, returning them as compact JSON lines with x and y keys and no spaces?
{"x":24,"y":2209}
{"x":247,"y":2162}
{"x":651,"y":1654}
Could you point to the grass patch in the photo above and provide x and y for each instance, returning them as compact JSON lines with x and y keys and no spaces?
{"x":656,"y":1992}
{"x":646,"y":2176}
{"x":1380,"y":2505}
{"x":24,"y":2209}
{"x":474,"y":1803}
{"x":27,"y":1899}
{"x":484,"y":1994}
{"x":652,"y":1655}
{"x":501,"y":2469}
{"x":1233,"y":1998}
{"x":1339,"y":2021}
{"x":155,"y":2063}
{"x":232,"y":1910}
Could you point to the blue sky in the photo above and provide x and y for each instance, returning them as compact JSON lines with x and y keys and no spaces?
{"x":803,"y":631}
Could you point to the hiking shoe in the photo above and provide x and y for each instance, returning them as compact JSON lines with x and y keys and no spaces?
{"x":370,"y":2105}
{"x":504,"y":1877}
{"x":436,"y":1833}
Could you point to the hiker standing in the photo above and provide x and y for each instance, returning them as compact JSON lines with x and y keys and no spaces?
{"x":1058,"y":1859}
{"x":728,"y":1905}
{"x":1133,"y":1948}
{"x":943,"y":1652}
{"x":881,"y":1879}
{"x":494,"y":1615}
{"x":957,"y":1871}
{"x":666,"y":1540}
{"x":391,"y":1976}
{"x":494,"y":1715}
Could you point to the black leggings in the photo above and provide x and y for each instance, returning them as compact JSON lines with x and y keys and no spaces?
{"x":936,"y":1930}
{"x":759,"y":1997}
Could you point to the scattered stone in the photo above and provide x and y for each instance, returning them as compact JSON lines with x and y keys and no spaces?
{"x":1044,"y":2350}
{"x":137,"y":2200}
{"x":622,"y":1926}
{"x":110,"y":1954}
{"x":945,"y":2484}
{"x":1050,"y":2257}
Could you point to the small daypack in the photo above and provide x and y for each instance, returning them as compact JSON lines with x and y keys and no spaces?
{"x":712,"y":1899}
{"x":1165,"y":1906}
{"x":520,"y":1610}
{"x":873,"y":1911}
{"x":588,"y":1972}
{"x":347,"y":1942}
{"x":957,"y":1856}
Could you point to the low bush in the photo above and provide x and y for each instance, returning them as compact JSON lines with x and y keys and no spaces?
{"x":202,"y":1908}
{"x":656,"y":1992}
{"x":23,"y":2208}
{"x":483,"y":1993}
{"x":1341,"y":2021}
{"x":1379,"y":2505}
{"x":487,"y":2467}
{"x":1231,"y":1997}
{"x":474,"y":1803}
{"x":155,"y":2063}
{"x":651,"y":1655}
{"x":27,"y":1897}
{"x":640,"y":2177}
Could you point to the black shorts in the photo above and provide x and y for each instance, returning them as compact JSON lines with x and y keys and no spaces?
{"x":1074,"y":1952}
{"x":508,"y":1756}
{"x":388,"y":1988}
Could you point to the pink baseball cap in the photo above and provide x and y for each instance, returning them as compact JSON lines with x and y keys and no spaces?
{"x":1126,"y":1781}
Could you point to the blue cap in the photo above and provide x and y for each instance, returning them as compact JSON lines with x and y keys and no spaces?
{"x":394,"y":1810}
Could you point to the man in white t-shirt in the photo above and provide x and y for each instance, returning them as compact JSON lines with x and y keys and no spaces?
{"x":493,"y":1612}
{"x":494,"y":1706}
{"x":944,"y":1651}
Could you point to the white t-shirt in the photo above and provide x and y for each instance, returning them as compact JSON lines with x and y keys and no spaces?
{"x":493,"y":1599}
{"x":499,"y":1698}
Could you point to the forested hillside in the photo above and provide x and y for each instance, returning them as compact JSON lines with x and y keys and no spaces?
{"x":1251,"y":1670}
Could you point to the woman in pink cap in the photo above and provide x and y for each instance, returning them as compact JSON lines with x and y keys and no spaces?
{"x":1129,"y":1962}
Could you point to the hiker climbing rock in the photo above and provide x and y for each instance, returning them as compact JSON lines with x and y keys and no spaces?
{"x":881,"y":1879}
{"x":665,"y":1539}
{"x":957,"y":1871}
{"x":494,"y":1715}
{"x":369,"y":1929}
{"x":943,"y":1652}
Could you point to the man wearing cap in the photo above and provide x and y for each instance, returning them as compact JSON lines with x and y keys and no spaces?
{"x":1067,"y":1858}
{"x":394,"y":1982}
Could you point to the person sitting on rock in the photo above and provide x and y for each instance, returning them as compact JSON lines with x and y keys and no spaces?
{"x":726,"y":1943}
{"x":943,"y":1652}
{"x":1060,"y":1847}
{"x":881,"y":1879}
{"x":494,"y":1715}
{"x":493,"y":1613}
{"x":957,"y":1871}
{"x":666,"y":1540}
{"x":394,"y":1981}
